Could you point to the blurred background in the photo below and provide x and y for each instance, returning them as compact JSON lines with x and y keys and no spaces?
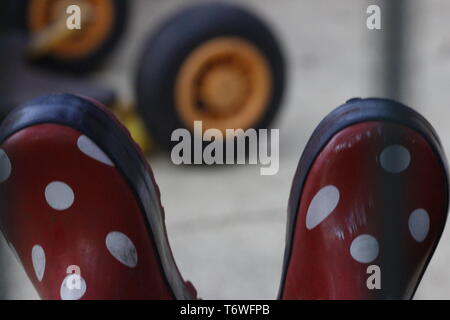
{"x":226,"y":225}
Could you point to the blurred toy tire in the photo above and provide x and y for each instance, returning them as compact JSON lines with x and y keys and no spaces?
{"x":169,"y":47}
{"x":95,"y":57}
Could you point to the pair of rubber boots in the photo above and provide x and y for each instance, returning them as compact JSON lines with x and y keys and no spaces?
{"x":82,"y":211}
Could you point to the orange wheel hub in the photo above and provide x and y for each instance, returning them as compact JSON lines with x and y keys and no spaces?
{"x":42,"y":13}
{"x":226,"y":83}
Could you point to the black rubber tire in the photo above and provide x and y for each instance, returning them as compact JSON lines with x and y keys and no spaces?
{"x":94,"y":59}
{"x":175,"y":39}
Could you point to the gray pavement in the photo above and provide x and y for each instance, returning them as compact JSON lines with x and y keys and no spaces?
{"x":227,"y":225}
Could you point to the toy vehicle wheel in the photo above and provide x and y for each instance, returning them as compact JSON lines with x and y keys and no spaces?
{"x":85,"y":48}
{"x":213,"y":62}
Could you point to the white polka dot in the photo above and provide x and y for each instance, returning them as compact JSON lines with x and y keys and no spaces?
{"x":73,"y":287}
{"x":122,"y":248}
{"x":5,"y":166}
{"x":323,"y":203}
{"x":38,"y":258}
{"x":364,"y":248}
{"x":395,"y":158}
{"x":59,"y":195}
{"x":419,"y":224}
{"x":89,"y":148}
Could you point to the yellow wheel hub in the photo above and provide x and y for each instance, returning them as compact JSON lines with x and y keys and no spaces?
{"x":226,"y":83}
{"x":224,"y":89}
{"x":44,"y":13}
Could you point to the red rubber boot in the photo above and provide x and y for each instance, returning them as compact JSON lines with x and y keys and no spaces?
{"x":368,"y":205}
{"x":80,"y":205}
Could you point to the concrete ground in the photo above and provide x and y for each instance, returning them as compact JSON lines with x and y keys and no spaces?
{"x":227,"y":225}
